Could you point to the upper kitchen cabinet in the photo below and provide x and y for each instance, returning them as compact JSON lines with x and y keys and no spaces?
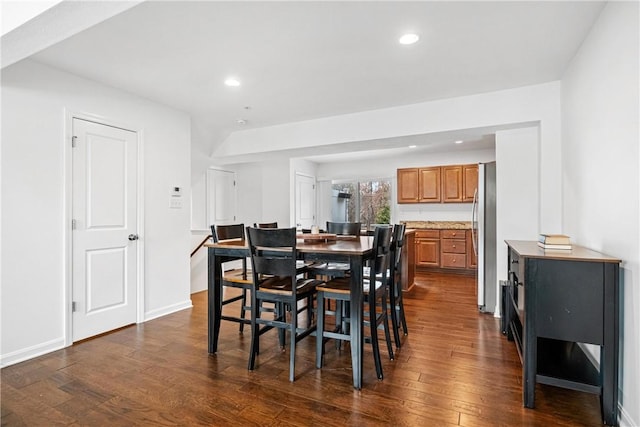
{"x":470,"y":179}
{"x":438,"y":184}
{"x":452,"y":185}
{"x":419,"y":185}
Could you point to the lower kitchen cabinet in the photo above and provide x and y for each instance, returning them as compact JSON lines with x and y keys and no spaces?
{"x":428,"y":248}
{"x":472,"y":259}
{"x":453,"y":247}
{"x":448,"y":249}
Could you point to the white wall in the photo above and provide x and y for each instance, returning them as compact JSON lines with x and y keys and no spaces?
{"x":517,"y":193}
{"x":600,"y":99}
{"x":387,"y":167}
{"x":530,"y":105}
{"x":35,"y":99}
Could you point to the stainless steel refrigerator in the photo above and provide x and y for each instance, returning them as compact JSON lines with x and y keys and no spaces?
{"x":483,"y":220}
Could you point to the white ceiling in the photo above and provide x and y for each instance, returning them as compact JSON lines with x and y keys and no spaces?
{"x":304,"y":60}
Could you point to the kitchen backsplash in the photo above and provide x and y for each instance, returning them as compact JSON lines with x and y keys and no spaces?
{"x":434,"y":212}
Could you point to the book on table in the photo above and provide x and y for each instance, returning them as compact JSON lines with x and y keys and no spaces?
{"x":554,"y":239}
{"x":549,"y":246}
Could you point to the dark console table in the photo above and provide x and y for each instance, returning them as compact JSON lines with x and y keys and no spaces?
{"x":554,"y":300}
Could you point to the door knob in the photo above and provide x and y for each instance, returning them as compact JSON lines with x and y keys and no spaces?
{"x":133,"y":237}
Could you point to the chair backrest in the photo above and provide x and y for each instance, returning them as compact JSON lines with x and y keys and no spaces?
{"x":381,"y":252}
{"x":344,"y":228}
{"x":273,"y":252}
{"x":224,"y":232}
{"x":266,"y":225}
{"x":397,"y":243}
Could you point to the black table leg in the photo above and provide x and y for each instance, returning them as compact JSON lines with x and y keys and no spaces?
{"x":357,"y":338}
{"x":215,"y":299}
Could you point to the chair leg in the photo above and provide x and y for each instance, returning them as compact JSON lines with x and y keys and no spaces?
{"x":243,"y":309}
{"x":374,"y":337}
{"x":292,"y":339}
{"x":309,"y":311}
{"x":394,"y":318}
{"x":320,"y":330}
{"x":255,"y":335}
{"x":281,"y":314}
{"x":403,"y":319}
{"x":385,"y":324}
{"x":339,"y":321}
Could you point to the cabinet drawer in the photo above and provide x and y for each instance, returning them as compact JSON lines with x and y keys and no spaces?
{"x":454,"y":246}
{"x":452,"y":234}
{"x":427,"y":234}
{"x":453,"y":260}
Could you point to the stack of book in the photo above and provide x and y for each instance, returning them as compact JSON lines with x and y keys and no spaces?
{"x":554,"y":242}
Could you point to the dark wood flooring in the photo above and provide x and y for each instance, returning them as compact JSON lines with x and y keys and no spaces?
{"x":454,"y":368}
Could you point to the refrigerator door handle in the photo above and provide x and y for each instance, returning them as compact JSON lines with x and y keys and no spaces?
{"x":474,"y":222}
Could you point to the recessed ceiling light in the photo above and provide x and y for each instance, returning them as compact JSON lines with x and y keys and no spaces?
{"x":409,"y":38}
{"x":412,"y":146}
{"x":459,"y":141}
{"x":241,"y":121}
{"x":232,"y":82}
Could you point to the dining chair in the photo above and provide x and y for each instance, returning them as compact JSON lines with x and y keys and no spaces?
{"x":375,"y":300}
{"x":277,"y":280}
{"x":266,"y":225}
{"x":396,"y":304}
{"x":394,"y":278}
{"x":234,"y":277}
{"x":337,"y":269}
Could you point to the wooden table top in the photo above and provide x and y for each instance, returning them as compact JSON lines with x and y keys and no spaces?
{"x":352,"y":246}
{"x":530,"y":249}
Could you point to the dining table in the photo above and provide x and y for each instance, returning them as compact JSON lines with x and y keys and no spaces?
{"x":352,"y":250}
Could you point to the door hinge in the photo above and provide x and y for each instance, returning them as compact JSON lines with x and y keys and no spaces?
{"x":73,"y":306}
{"x":234,"y":182}
{"x":73,"y":141}
{"x":73,"y":224}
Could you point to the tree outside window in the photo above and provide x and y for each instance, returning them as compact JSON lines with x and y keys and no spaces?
{"x":371,"y":202}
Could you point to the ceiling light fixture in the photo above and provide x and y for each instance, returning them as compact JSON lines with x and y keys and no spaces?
{"x":241,"y":121}
{"x":459,"y":141}
{"x":412,"y":146}
{"x":409,"y":38}
{"x":232,"y":82}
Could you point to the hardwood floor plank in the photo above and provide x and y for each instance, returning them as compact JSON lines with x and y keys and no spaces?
{"x":454,"y":368}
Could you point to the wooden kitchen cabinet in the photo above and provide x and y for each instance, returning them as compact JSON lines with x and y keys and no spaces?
{"x":419,"y":185}
{"x":408,"y":260}
{"x":453,"y":249}
{"x":427,"y":248}
{"x":437,"y":184}
{"x":408,"y":185}
{"x":472,"y":259}
{"x":452,"y":184}
{"x":470,"y":182}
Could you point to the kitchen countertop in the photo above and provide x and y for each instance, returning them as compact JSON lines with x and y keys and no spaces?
{"x":438,"y":225}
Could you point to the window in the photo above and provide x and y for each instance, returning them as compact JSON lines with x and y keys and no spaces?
{"x":368,"y":202}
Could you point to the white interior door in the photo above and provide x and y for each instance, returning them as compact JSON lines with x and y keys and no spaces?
{"x":306,"y":201}
{"x":221,"y":197}
{"x":104,"y":269}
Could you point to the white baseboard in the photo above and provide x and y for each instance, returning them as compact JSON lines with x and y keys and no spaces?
{"x":31,"y":352}
{"x":159,"y":312}
{"x":624,"y":419}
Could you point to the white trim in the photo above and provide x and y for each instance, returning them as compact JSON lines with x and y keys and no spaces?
{"x":159,"y":312}
{"x":31,"y":352}
{"x":68,"y":205}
